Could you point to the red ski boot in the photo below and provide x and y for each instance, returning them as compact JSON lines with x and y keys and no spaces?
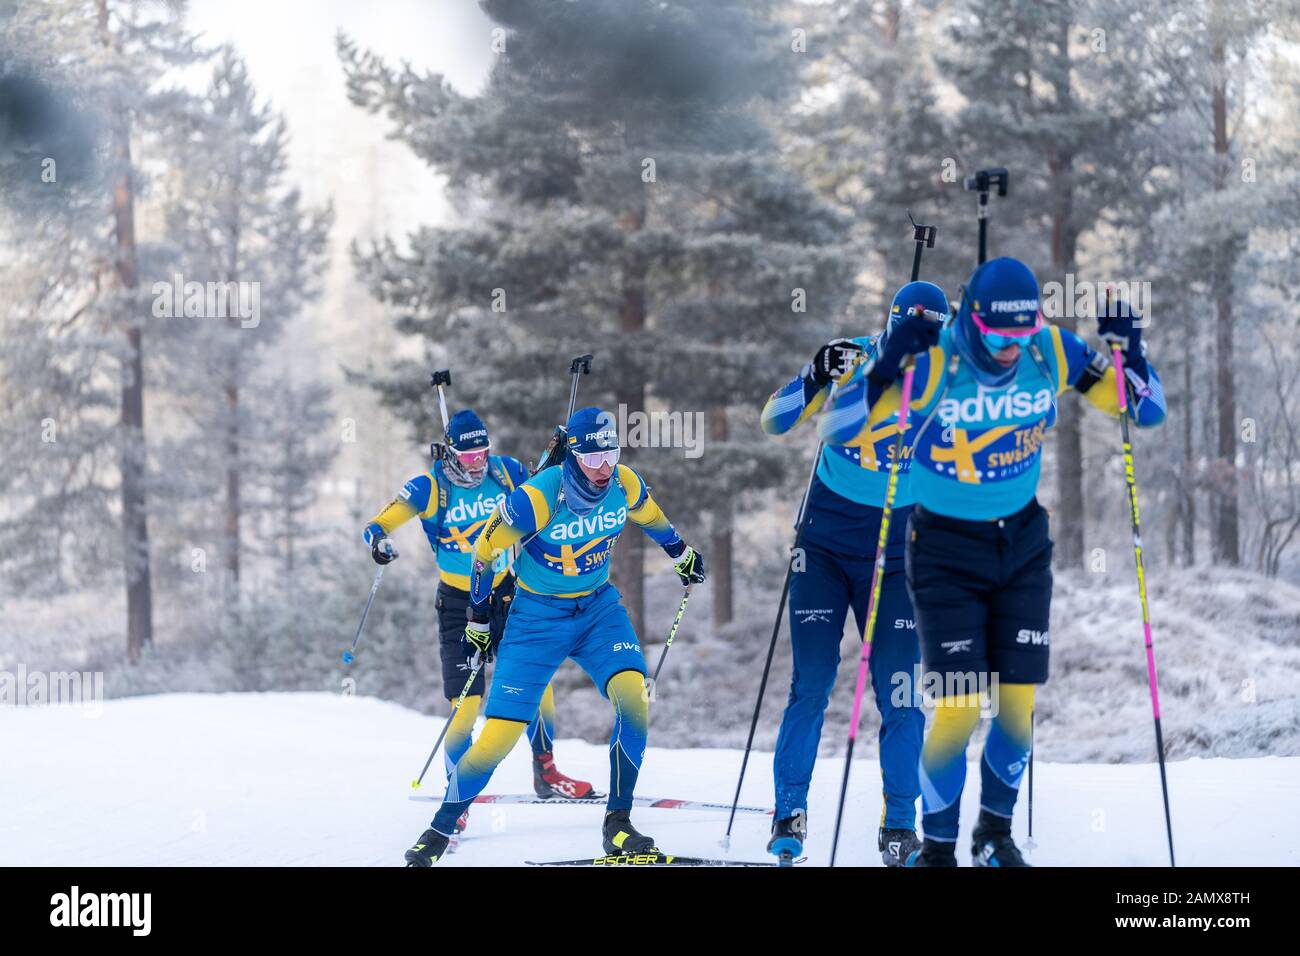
{"x":549,"y":782}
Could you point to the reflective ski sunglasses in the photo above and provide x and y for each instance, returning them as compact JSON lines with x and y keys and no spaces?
{"x":594,"y":459}
{"x":998,"y":339}
{"x":472,"y":458}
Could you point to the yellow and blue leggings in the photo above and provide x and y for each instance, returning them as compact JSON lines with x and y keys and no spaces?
{"x":595,"y":631}
{"x":627,"y":739}
{"x":943,"y":758}
{"x":541,"y":732}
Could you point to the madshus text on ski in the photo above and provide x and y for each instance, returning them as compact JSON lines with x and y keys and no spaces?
{"x":920,"y":514}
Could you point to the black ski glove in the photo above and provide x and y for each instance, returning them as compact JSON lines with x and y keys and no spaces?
{"x":478,"y":632}
{"x":913,"y":335}
{"x":832,"y":360}
{"x":689,"y":566}
{"x":382,"y":550}
{"x":1120,"y":326}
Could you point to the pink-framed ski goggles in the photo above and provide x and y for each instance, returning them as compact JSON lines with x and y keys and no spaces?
{"x":472,"y":458}
{"x":998,"y":339}
{"x":594,"y":459}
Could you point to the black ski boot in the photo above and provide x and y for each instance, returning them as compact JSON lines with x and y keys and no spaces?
{"x":991,"y":843}
{"x":428,"y":850}
{"x":896,"y":845}
{"x":622,"y":839}
{"x":788,"y":837}
{"x":934,"y":853}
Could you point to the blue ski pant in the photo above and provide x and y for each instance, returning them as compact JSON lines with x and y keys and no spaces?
{"x":820,"y":596}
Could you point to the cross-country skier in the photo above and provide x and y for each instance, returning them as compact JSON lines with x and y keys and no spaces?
{"x":979,"y":556}
{"x":453,"y":501}
{"x":839,"y":538}
{"x":566,"y":520}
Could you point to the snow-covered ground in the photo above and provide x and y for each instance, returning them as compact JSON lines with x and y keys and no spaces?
{"x":318,"y":779}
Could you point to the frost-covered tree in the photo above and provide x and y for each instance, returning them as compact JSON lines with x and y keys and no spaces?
{"x":1059,"y":92}
{"x":112,"y":56}
{"x":870,"y":136}
{"x":621,"y":196}
{"x":235,"y":223}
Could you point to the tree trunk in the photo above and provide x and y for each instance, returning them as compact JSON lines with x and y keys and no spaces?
{"x":1189,"y":456}
{"x":628,"y":571}
{"x":1070,"y":505}
{"x":232,"y":493}
{"x":720,"y":550}
{"x":1227,"y":545}
{"x":135,"y":525}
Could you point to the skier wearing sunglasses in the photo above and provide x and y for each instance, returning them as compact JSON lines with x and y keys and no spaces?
{"x":979,"y":555}
{"x":565,"y":521}
{"x":453,"y":501}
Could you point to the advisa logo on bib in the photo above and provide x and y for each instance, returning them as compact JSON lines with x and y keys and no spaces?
{"x":992,"y":406}
{"x":466,"y":510}
{"x":589,"y":526}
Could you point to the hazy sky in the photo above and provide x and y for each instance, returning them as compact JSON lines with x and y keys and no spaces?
{"x":341,"y":154}
{"x":337,"y":150}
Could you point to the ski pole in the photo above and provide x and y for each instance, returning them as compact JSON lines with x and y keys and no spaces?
{"x":873,"y":604}
{"x":438,"y":380}
{"x":1131,"y":481}
{"x":555,"y":451}
{"x":677,"y":622}
{"x":579,"y":366}
{"x":924,"y":237}
{"x":980,"y":183}
{"x":478,"y":665}
{"x":776,"y":630}
{"x":350,"y":654}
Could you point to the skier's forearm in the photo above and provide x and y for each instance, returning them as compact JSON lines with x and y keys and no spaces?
{"x":394,"y":516}
{"x":497,"y":536}
{"x":792,"y":404}
{"x":411,"y":501}
{"x":644,"y":512}
{"x":1146,"y":397}
{"x":649,"y":517}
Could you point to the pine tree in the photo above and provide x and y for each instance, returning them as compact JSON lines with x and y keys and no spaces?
{"x":873,"y":141}
{"x":1057,"y":92}
{"x":232,"y":218}
{"x":625,"y":200}
{"x":110,"y":56}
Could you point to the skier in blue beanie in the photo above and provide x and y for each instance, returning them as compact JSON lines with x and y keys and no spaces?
{"x":979,"y":554}
{"x":453,"y":500}
{"x":565,"y":520}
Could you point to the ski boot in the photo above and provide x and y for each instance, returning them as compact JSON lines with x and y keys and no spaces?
{"x":933,"y":853}
{"x":462,"y":822}
{"x":896,"y":845}
{"x":622,"y":839}
{"x":991,"y":843}
{"x":428,"y":850}
{"x":549,"y":782}
{"x":788,"y":837}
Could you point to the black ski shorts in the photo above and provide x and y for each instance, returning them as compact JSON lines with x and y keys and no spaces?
{"x":982,"y":592}
{"x":453,"y":609}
